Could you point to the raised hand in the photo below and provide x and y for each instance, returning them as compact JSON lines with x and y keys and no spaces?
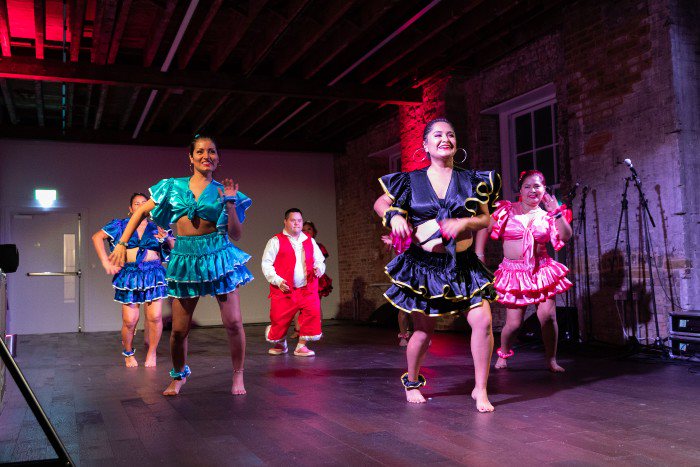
{"x":161,"y":234}
{"x":549,"y":202}
{"x":230,"y":188}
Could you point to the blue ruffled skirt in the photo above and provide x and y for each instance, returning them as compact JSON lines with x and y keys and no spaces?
{"x":424,"y":282}
{"x":206,"y":265}
{"x":140,"y":283}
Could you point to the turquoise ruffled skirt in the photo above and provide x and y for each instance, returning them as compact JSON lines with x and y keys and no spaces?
{"x":140,"y":283}
{"x":206,"y":265}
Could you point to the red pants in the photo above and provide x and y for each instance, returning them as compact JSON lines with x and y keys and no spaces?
{"x":283,"y":307}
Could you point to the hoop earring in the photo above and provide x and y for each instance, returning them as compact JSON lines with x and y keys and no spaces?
{"x":413,"y":157}
{"x":465,"y":156}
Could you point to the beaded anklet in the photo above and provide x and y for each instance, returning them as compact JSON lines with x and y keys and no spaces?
{"x":126,"y":353}
{"x":503,"y":355}
{"x":178,"y":375}
{"x":413,"y":384}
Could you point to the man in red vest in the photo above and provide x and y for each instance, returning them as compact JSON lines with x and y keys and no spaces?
{"x":292,"y":263}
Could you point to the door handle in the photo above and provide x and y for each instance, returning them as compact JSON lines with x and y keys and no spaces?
{"x":50,"y":274}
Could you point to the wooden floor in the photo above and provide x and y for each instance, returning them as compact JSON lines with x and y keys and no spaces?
{"x":346,"y":406}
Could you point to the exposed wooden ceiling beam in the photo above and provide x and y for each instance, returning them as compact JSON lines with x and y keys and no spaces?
{"x":184,"y":110}
{"x":344,"y":35}
{"x":154,"y":113}
{"x":77,"y":15}
{"x":39,"y":27}
{"x":271,"y":34}
{"x":45,"y":70}
{"x":442,"y":18}
{"x":69,"y":104}
{"x":101,"y":106}
{"x":307,"y":37}
{"x":242,"y":107}
{"x":160,"y":24}
{"x":178,"y":140}
{"x":4,"y":30}
{"x":7,"y":97}
{"x":119,"y":31}
{"x":239,"y":26}
{"x":188,"y":51}
{"x":129,"y":108}
{"x":208,"y":113}
{"x":88,"y":102}
{"x":39,"y":99}
{"x":102,"y":32}
{"x":310,"y":118}
{"x":261,"y":111}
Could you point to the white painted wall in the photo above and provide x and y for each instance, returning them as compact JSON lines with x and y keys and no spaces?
{"x":97,"y":180}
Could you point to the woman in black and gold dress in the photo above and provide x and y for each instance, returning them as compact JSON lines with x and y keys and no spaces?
{"x":439,"y":208}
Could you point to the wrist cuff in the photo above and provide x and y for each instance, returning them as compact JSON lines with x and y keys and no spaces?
{"x":390,"y":213}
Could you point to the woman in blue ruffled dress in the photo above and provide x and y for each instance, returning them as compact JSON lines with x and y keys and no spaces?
{"x":204,"y":261}
{"x":140,"y":281}
{"x":433,"y":213}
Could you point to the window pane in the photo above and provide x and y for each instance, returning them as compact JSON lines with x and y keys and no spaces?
{"x":543,"y":127}
{"x":524,"y":163}
{"x":545,"y":164}
{"x":523,"y":133}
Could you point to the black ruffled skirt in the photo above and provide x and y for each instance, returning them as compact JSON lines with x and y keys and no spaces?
{"x":427,"y":283}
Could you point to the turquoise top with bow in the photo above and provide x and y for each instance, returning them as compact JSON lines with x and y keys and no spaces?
{"x":174,"y":199}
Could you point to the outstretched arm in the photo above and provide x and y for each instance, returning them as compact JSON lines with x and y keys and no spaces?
{"x":118,"y":256}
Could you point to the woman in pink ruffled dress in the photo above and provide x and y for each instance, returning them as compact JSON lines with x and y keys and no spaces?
{"x":527,"y":275}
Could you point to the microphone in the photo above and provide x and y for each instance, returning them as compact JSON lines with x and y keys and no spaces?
{"x":628,"y":162}
{"x":572,"y":192}
{"x":585,"y":190}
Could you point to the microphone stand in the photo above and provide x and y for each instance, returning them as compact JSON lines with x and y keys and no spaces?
{"x":582,"y":226}
{"x":646,"y":218}
{"x":628,"y":253}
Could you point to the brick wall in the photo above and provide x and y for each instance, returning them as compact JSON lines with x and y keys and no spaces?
{"x":613,"y":70}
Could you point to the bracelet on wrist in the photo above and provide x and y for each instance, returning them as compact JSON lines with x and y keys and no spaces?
{"x":124,"y":244}
{"x":558,"y":215}
{"x":230,"y":199}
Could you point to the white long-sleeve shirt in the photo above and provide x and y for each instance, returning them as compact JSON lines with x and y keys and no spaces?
{"x":273,"y":247}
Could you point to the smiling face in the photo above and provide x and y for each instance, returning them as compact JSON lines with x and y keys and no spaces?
{"x":309,"y":230}
{"x":136,"y":201}
{"x":441,"y":142}
{"x":293,"y":223}
{"x":532,"y":190}
{"x":204,"y":156}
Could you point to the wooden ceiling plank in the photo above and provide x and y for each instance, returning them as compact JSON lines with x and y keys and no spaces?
{"x":69,"y":104}
{"x":373,"y":12}
{"x":310,"y":118}
{"x":129,"y":108}
{"x":39,"y":28}
{"x":119,"y":31}
{"x":77,"y":16}
{"x":101,"y":106}
{"x":272,"y":35}
{"x":243,"y":103}
{"x":154,"y":113}
{"x":262,"y":111}
{"x":238,"y":28}
{"x":4,"y":30}
{"x":184,"y":110}
{"x":209,"y":114}
{"x":187,"y":52}
{"x":88,"y":102}
{"x":104,"y":26}
{"x":160,"y":24}
{"x":39,"y":99}
{"x":308,"y":37}
{"x":9,"y":103}
{"x":46,"y":70}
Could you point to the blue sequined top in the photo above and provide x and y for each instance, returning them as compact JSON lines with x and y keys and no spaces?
{"x":174,"y":199}
{"x":148,"y":241}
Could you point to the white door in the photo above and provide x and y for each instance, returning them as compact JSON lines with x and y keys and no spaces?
{"x":44,"y":293}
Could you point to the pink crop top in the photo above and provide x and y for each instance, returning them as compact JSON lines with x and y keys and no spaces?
{"x":540,"y":230}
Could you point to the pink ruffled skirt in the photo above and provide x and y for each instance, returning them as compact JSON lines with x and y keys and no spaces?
{"x":518,"y":285}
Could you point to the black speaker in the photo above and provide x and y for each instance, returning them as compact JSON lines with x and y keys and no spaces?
{"x":567,"y":319}
{"x":9,"y":258}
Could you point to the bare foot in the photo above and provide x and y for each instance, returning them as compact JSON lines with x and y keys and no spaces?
{"x":554,"y":366}
{"x":501,"y":363}
{"x":414,"y":396}
{"x":174,"y":387}
{"x":131,"y":362}
{"x":482,"y":400}
{"x":150,"y":360}
{"x":238,"y":388}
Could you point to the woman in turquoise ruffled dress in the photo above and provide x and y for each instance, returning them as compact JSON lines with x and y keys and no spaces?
{"x":204,"y":261}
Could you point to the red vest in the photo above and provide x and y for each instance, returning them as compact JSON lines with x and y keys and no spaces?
{"x":286,"y":260}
